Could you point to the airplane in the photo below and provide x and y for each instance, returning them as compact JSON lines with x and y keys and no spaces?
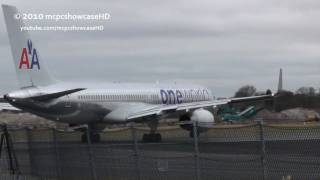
{"x":99,"y":104}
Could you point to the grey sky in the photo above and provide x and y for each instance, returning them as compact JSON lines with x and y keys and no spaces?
{"x":221,"y":44}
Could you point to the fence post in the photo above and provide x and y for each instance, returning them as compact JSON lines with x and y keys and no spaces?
{"x":92,"y":165}
{"x":136,"y":150}
{"x":33,"y":165}
{"x":7,"y":144}
{"x":196,"y":148}
{"x":263,"y":149}
{"x":56,"y":152}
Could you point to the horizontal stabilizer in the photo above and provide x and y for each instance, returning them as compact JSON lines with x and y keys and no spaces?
{"x":46,"y":97}
{"x":4,"y":106}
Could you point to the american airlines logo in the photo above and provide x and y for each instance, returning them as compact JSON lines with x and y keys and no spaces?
{"x":27,"y":55}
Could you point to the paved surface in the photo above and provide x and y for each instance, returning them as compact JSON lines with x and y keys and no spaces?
{"x":223,"y":154}
{"x":172,"y":160}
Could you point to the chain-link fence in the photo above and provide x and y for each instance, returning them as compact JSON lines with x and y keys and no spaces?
{"x":252,"y":151}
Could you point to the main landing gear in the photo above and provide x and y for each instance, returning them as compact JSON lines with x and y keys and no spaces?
{"x":192,"y":133}
{"x":152,"y":136}
{"x":191,"y":129}
{"x":93,"y":137}
{"x":90,"y":134}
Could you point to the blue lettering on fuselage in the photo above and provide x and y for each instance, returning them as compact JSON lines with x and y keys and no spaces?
{"x":179,"y":96}
{"x":170,"y":96}
{"x":164,"y":96}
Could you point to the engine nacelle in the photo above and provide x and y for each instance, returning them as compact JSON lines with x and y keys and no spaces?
{"x":204,"y":119}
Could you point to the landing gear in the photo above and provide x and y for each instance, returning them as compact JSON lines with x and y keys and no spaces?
{"x":191,"y":133}
{"x":94,"y":137}
{"x":191,"y":128}
{"x":153,"y":137}
{"x":91,"y":132}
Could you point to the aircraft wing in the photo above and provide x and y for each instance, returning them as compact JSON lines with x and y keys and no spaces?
{"x":166,"y":109}
{"x":251,"y":98}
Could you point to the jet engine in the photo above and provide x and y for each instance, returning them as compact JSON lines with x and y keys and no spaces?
{"x":202,"y":117}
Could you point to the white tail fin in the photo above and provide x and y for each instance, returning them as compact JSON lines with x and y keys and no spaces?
{"x":30,"y":68}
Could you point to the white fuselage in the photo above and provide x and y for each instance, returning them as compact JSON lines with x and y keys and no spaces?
{"x":98,"y":99}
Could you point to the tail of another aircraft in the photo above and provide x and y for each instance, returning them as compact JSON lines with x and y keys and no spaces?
{"x":280,"y":88}
{"x":30,"y":68}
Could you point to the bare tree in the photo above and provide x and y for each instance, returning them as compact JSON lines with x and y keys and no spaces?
{"x":245,"y":91}
{"x":310,"y":91}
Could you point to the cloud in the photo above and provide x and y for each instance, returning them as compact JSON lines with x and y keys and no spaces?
{"x":221,"y":44}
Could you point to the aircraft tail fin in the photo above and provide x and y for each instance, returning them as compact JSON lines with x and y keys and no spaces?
{"x":30,"y":68}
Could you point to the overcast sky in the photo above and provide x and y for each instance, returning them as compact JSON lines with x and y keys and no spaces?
{"x":220,"y":44}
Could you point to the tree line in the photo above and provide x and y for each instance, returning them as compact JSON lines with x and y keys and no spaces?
{"x":305,"y":97}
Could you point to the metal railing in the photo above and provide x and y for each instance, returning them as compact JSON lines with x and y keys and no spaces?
{"x":251,"y":151}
